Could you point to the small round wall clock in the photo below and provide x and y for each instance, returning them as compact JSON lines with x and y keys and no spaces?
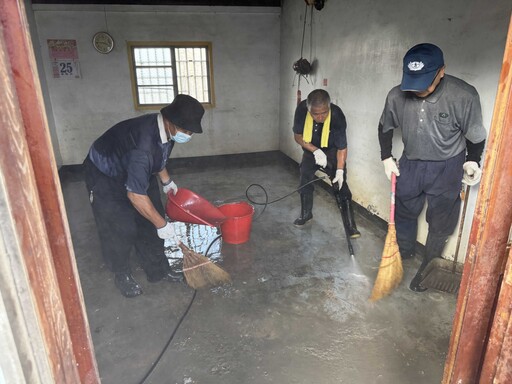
{"x":103,"y":42}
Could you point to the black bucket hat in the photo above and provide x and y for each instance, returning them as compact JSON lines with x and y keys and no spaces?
{"x":185,"y":112}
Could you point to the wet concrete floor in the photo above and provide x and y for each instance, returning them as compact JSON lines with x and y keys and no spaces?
{"x":297,"y":310}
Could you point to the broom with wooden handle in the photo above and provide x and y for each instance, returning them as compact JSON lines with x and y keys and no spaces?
{"x":200,"y":271}
{"x":390,"y":270}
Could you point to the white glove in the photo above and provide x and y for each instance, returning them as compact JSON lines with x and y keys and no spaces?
{"x":338,"y":178}
{"x":170,"y":186}
{"x":167,"y":232}
{"x":320,"y":158}
{"x":390,"y":167}
{"x":472,"y":173}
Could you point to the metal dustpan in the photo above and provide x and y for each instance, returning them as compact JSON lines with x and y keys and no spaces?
{"x":188,"y":207}
{"x":444,"y":275}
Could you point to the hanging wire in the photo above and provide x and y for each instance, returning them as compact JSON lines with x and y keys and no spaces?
{"x":304,"y":29}
{"x":105,"y":15}
{"x":302,"y":46}
{"x":311,"y":36}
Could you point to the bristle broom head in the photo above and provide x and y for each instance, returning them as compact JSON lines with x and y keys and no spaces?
{"x":201,"y":272}
{"x":390,"y":270}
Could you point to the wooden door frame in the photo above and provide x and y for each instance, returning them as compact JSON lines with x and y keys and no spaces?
{"x":34,"y":198}
{"x":487,"y":250}
{"x":47,"y":269}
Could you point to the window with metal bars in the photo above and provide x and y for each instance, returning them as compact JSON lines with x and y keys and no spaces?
{"x":160,"y":71}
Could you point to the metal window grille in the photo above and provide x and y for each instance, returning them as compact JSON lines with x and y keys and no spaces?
{"x":163,"y":72}
{"x":192,"y":72}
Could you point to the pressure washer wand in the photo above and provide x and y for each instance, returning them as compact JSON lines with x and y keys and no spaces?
{"x":347,"y":232}
{"x":349,"y":242}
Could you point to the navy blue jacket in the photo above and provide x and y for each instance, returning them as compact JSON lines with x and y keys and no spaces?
{"x":131,"y":152}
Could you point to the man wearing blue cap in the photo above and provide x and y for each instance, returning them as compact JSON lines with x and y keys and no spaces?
{"x":121,"y":172}
{"x":441,"y":122}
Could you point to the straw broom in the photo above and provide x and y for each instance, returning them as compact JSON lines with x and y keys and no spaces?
{"x":200,"y":271}
{"x":390,"y":270}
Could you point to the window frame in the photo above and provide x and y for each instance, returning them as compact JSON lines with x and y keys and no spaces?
{"x":168,"y":44}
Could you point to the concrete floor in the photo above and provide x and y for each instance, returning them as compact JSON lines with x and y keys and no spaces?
{"x":296,"y":312}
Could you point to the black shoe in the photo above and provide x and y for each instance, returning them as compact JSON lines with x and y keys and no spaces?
{"x":433,"y":248}
{"x":354,"y":233}
{"x":415,"y":285}
{"x":171,"y":276}
{"x":127,"y":285}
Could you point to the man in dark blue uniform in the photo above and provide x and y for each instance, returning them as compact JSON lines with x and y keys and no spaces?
{"x":319,"y":127}
{"x":121,"y":172}
{"x":441,"y":122}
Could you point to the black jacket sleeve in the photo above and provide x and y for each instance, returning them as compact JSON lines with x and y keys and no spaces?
{"x":386,"y":143}
{"x":474,"y":151}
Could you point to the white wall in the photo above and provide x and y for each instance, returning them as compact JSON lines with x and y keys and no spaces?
{"x":359,"y":46}
{"x":245,"y":47}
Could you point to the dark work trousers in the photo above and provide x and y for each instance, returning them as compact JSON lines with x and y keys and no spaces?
{"x":121,"y":227}
{"x":437,"y":182}
{"x":308,"y":167}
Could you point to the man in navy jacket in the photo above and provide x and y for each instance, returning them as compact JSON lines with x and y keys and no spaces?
{"x":121,"y":172}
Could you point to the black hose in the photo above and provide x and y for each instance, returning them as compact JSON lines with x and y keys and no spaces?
{"x":266,"y":202}
{"x":153,"y":366}
{"x":170,"y":339}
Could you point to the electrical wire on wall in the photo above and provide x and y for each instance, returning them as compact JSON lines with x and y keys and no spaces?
{"x":302,"y":67}
{"x":105,"y":15}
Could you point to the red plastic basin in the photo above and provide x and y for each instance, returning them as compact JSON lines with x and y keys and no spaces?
{"x":188,"y":207}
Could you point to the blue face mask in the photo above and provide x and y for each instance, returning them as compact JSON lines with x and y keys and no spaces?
{"x":181,"y":137}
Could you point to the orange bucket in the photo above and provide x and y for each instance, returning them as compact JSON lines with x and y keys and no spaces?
{"x":237,"y":227}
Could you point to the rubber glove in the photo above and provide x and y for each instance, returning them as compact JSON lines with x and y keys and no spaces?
{"x":390,"y":167}
{"x":320,"y":158}
{"x":167,"y":232}
{"x":338,"y":178}
{"x":472,"y":173}
{"x":170,"y":186}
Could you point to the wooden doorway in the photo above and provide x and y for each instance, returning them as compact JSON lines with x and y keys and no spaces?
{"x":481,"y":341}
{"x":50,"y":340}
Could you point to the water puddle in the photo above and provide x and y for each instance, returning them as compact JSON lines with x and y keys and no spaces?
{"x":200,"y":238}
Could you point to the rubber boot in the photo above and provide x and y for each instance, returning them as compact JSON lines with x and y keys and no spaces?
{"x":306,"y":208}
{"x":433,"y":248}
{"x":347,"y":215}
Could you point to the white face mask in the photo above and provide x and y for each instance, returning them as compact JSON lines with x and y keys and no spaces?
{"x":181,"y":137}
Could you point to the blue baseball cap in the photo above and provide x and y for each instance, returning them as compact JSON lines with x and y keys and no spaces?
{"x":421,"y":63}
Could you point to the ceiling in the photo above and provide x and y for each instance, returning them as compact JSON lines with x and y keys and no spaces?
{"x":237,"y":3}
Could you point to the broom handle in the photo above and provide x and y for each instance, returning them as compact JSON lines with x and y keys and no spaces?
{"x":461,"y":227}
{"x":393,"y":190}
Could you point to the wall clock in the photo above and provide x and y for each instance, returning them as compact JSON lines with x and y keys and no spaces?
{"x":103,"y":42}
